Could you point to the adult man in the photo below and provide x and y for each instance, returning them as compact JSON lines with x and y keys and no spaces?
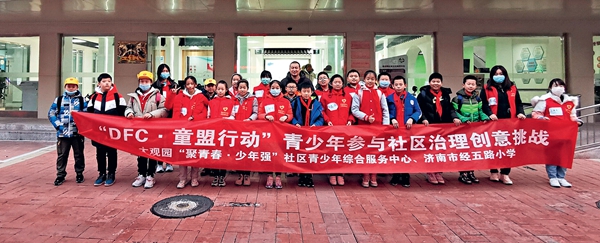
{"x":294,"y":75}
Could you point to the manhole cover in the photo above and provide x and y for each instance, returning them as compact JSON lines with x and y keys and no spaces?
{"x":181,"y":206}
{"x":598,"y":204}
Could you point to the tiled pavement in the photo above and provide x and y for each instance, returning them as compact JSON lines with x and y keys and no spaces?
{"x":32,"y":209}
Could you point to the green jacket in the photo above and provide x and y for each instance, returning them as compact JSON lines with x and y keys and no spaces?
{"x":470,"y":110}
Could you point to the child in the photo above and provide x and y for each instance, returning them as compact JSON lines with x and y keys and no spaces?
{"x":218,"y":108}
{"x":108,"y":101}
{"x":66,"y":131}
{"x":369,"y":106}
{"x":307,"y":112}
{"x":353,"y":78}
{"x":469,"y":109}
{"x":405,"y":108}
{"x":146,"y":102}
{"x":435,"y":104}
{"x":555,"y":106}
{"x":275,"y":108}
{"x":261,"y":91}
{"x":189,"y":104}
{"x":245,"y":109}
{"x":166,"y":86}
{"x":324,"y":85}
{"x":235,"y":78}
{"x":336,"y":112}
{"x":384,"y":83}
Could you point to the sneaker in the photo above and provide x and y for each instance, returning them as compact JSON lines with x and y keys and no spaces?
{"x":554,"y":183}
{"x":139,"y":181}
{"x":302,"y":180}
{"x":101,"y":179}
{"x":159,"y":169}
{"x":506,"y":180}
{"x":472,"y":177}
{"x":246,"y":181}
{"x":333,"y":180}
{"x":59,"y":181}
{"x":373,"y":182}
{"x":439,"y":178}
{"x":365,"y":182}
{"x":269,"y":184}
{"x":169,"y":168}
{"x":195,"y":183}
{"x":278,"y":184}
{"x":564,"y":183}
{"x":464,"y":178}
{"x":340,"y":180}
{"x":181,"y":184}
{"x":221,"y":181}
{"x":395,"y":180}
{"x":215,"y":181}
{"x":405,"y":180}
{"x":110,"y":180}
{"x":149,"y":182}
{"x":495,"y":177}
{"x":79,"y":178}
{"x":432,"y":179}
{"x":309,"y":181}
{"x":239,"y":181}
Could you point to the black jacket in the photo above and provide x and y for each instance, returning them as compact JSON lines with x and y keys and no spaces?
{"x":503,"y":104}
{"x":303,"y":79}
{"x":159,"y":85}
{"x":427,"y":105}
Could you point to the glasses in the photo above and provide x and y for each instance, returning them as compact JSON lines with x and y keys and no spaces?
{"x":291,"y":87}
{"x":322,"y":79}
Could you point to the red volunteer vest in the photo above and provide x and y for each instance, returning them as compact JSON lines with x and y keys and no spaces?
{"x":245,"y":109}
{"x":557,"y":111}
{"x":492,"y":96}
{"x":220,"y":107}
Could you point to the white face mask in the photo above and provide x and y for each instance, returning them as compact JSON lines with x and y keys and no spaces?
{"x":558,"y":90}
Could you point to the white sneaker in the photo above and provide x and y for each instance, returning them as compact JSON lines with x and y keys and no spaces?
{"x":149,"y":182}
{"x":169,"y":168}
{"x":139,"y":181}
{"x":564,"y":182}
{"x":159,"y":169}
{"x":554,"y":183}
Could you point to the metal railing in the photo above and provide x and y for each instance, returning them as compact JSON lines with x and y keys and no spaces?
{"x":586,"y":137}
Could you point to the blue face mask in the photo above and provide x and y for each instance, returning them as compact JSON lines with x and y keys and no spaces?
{"x":165,"y":75}
{"x":144,"y":87}
{"x":71,"y":92}
{"x":275,"y":92}
{"x":265,"y":81}
{"x":498,"y":78}
{"x":384,"y":83}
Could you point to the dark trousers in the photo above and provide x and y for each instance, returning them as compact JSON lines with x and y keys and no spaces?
{"x":503,"y":171}
{"x":146,"y":166}
{"x":63,"y":147}
{"x":102,"y":152}
{"x":161,"y":163}
{"x":217,"y":172}
{"x":244,"y":172}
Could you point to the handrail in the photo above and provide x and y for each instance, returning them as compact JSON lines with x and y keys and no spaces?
{"x":587,"y":107}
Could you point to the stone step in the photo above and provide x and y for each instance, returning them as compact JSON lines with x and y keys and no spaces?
{"x":27,"y":129}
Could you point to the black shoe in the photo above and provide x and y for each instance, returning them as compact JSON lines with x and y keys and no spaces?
{"x":215,"y":181}
{"x":405,"y":180}
{"x":302,"y":181}
{"x":59,"y":181}
{"x":464,"y":178}
{"x":472,"y":177}
{"x":221,"y":181}
{"x":309,"y":181}
{"x":395,"y":180}
{"x":203,"y":172}
{"x":79,"y":178}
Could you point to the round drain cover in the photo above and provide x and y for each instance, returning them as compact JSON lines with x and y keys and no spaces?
{"x":181,"y":206}
{"x":598,"y":204}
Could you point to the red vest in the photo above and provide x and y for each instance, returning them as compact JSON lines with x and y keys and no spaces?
{"x":220,"y":107}
{"x":336,"y":108}
{"x":261,"y":91}
{"x":194,"y":106}
{"x":245,"y":109}
{"x":557,"y":111}
{"x":370,"y":105}
{"x":492,"y":95}
{"x":277,"y":107}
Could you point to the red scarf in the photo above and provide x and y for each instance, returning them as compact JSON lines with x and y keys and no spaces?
{"x":400,"y":105}
{"x":307,"y":117}
{"x":438,"y":103}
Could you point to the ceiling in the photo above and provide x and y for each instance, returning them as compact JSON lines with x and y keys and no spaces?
{"x":278,"y":10}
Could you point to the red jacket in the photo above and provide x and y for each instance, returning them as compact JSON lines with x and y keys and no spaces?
{"x":261,"y":91}
{"x":220,"y":107}
{"x":387,"y":91}
{"x":337,"y":107}
{"x":185,"y":105}
{"x":245,"y":107}
{"x":275,"y":106}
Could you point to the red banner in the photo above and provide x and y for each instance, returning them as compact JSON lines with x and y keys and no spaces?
{"x":274,"y":146}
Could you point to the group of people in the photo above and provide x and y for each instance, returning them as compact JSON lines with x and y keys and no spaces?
{"x":379,"y":99}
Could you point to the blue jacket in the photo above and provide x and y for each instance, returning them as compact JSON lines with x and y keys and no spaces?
{"x":316,"y":112}
{"x":411,"y":108}
{"x":61,"y":117}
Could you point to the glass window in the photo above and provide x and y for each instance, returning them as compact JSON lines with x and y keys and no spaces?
{"x":408,"y":55}
{"x":185,"y":55}
{"x":85,"y":58}
{"x":19,"y":66}
{"x":531,"y":62}
{"x":275,"y":53}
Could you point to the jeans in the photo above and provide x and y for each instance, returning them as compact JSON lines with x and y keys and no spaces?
{"x":63,"y":146}
{"x":555,"y":171}
{"x":503,"y":171}
{"x":102,"y":152}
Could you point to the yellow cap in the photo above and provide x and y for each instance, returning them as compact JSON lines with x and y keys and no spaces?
{"x":210,"y":81}
{"x":145,"y":74}
{"x":72,"y":80}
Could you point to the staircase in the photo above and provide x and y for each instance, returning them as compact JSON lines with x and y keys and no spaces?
{"x":26,"y":129}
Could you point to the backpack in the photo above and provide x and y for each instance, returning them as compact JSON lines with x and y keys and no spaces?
{"x":60,"y":99}
{"x":459,"y":99}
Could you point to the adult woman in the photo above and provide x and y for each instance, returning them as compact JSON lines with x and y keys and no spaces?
{"x":501,"y":100}
{"x":167,"y":86}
